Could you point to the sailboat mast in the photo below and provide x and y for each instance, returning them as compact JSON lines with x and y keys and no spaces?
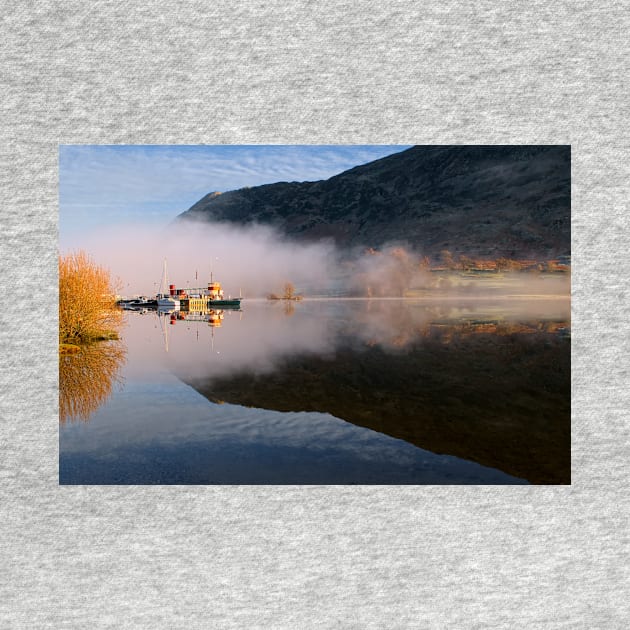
{"x":163,"y":281}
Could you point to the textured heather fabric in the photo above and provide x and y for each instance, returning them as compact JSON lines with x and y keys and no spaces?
{"x":304,"y":72}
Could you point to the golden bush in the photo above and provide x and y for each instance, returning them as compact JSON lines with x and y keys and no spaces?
{"x":87,"y":300}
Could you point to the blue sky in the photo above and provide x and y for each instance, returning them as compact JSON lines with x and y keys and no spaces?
{"x":114,"y":185}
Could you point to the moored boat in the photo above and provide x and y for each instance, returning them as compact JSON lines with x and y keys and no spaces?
{"x":230,"y":303}
{"x":206,"y":298}
{"x":167,"y":300}
{"x":194,"y":299}
{"x":217,"y":298}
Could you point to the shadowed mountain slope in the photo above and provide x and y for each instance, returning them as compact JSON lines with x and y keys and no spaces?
{"x":485,"y":201}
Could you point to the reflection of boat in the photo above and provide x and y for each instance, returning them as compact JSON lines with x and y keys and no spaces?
{"x":169,"y":317}
{"x":213,"y":317}
{"x":164,"y":314}
{"x":167,"y":300}
{"x":166,"y":310}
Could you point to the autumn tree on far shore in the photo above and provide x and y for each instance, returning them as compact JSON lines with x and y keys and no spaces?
{"x":289,"y":290}
{"x":447,"y":258}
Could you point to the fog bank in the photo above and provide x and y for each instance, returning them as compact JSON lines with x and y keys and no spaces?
{"x":255,"y":260}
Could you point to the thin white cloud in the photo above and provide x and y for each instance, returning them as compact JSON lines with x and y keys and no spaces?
{"x":101,"y":184}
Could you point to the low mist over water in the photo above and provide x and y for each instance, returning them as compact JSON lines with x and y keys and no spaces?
{"x":265,"y":333}
{"x":255,"y":260}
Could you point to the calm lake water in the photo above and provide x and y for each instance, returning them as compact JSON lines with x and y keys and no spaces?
{"x":325,"y":392}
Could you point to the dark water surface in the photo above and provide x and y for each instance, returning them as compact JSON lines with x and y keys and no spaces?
{"x":325,"y":392}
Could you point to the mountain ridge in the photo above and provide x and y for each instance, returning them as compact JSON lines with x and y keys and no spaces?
{"x":487,"y":201}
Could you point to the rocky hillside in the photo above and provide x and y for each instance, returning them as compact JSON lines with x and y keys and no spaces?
{"x":486,"y":201}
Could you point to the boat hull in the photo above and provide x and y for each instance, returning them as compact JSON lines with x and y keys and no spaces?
{"x":168,"y":303}
{"x":224,"y":303}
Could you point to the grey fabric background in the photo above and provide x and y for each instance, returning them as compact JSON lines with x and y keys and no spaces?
{"x":325,"y":72}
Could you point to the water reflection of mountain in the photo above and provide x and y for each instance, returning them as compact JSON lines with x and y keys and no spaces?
{"x":493,"y":392}
{"x":87,"y":378}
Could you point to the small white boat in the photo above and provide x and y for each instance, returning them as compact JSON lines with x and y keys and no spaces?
{"x":166,"y":300}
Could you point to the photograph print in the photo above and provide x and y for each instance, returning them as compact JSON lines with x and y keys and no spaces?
{"x":315,"y":314}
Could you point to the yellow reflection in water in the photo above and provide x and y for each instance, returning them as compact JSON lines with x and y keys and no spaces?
{"x":87,"y":378}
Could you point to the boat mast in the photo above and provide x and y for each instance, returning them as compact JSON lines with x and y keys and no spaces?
{"x":163,"y":281}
